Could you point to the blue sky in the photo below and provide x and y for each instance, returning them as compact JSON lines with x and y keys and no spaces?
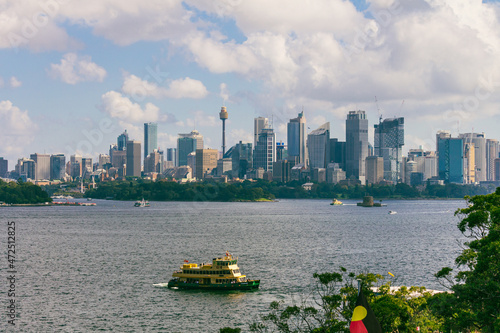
{"x":69,"y":68}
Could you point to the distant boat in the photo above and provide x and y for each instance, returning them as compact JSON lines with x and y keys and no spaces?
{"x":336,"y":202}
{"x":391,"y":212}
{"x":142,"y":203}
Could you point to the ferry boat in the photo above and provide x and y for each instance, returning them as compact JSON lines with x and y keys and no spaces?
{"x":142,"y":203}
{"x":336,"y":202}
{"x":222,"y":274}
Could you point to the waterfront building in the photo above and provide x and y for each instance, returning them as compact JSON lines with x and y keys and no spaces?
{"x":281,"y":151}
{"x":206,"y":161}
{"x":451,"y":160}
{"x":265,"y":151}
{"x":479,"y":142}
{"x":150,"y":138}
{"x":356,"y":144}
{"x":497,"y":169}
{"x":133,"y":168}
{"x":296,"y":140}
{"x":4,"y":166}
{"x":57,"y":166}
{"x":42,"y":166}
{"x":388,"y":144}
{"x":223,"y":115}
{"x":186,"y":144}
{"x":492,"y":153}
{"x":318,"y":147}
{"x":374,"y":169}
{"x":242,"y":159}
{"x":259,"y":124}
{"x":122,"y":141}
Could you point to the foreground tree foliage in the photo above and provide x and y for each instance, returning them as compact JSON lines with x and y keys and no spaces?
{"x":476,"y":286}
{"x":22,"y":193}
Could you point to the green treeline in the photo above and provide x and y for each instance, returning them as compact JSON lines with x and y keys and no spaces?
{"x":172,"y":191}
{"x":264,"y":190}
{"x":22,"y":193}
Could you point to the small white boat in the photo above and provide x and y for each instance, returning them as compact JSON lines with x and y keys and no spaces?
{"x":391,"y":212}
{"x":142,"y":203}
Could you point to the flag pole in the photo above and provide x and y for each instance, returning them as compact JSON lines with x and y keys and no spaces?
{"x":359,"y":286}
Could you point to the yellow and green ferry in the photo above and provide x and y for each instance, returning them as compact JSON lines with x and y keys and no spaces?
{"x":222,"y":274}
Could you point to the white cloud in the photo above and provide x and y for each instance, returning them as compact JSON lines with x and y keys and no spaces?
{"x":15,"y":83}
{"x":74,"y":69}
{"x":180,"y":88}
{"x":17,"y":130}
{"x":120,"y":107}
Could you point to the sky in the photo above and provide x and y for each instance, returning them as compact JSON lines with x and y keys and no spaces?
{"x":74,"y":75}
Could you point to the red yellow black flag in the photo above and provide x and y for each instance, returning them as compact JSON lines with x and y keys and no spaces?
{"x":363,"y":319}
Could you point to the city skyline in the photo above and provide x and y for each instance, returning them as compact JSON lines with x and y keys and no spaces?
{"x":78,"y":76}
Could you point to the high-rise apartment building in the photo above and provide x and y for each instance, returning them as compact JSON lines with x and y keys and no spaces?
{"x":42,"y":166}
{"x":318,"y":147}
{"x":479,"y":142}
{"x":265,"y":151}
{"x":296,"y":136}
{"x":150,"y":138}
{"x":206,"y":161}
{"x":356,"y":144}
{"x":451,"y":159}
{"x":492,"y":151}
{"x":4,"y":166}
{"x":133,"y":158}
{"x":186,"y":144}
{"x":259,"y":124}
{"x":122,"y":141}
{"x":388,"y":144}
{"x":57,"y":166}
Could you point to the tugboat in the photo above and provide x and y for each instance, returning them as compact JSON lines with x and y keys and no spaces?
{"x":142,"y":203}
{"x":336,"y":202}
{"x":222,"y":274}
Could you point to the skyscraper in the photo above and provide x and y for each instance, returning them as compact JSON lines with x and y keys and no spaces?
{"x":150,"y":138}
{"x":265,"y":151}
{"x":42,"y":166}
{"x":492,"y":151}
{"x":75,"y":166}
{"x":57,"y":166}
{"x":122,"y":140}
{"x":206,"y":160}
{"x":374,"y":169}
{"x":318,"y":147}
{"x":242,"y":159}
{"x":356,"y":127}
{"x":223,"y":116}
{"x":133,"y":158}
{"x":171,"y":157}
{"x":4,"y":167}
{"x":296,"y":136}
{"x":186,"y":144}
{"x":259,"y":124}
{"x":389,"y":142}
{"x":451,"y":159}
{"x":479,"y":142}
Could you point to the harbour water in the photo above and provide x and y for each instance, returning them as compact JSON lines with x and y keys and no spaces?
{"x":82,"y":269}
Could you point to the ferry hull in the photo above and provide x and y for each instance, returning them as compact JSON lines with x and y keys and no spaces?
{"x":249,"y":285}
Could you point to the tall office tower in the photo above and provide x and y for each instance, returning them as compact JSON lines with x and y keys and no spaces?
{"x":42,"y":169}
{"x":492,"y":151}
{"x":258,"y":125}
{"x":103,"y":160}
{"x":337,"y":152}
{"x":242,"y":159}
{"x":451,"y":159}
{"x":469,"y":163}
{"x":154,"y":162}
{"x":150,"y":138}
{"x":26,"y":168}
{"x":265,"y":151}
{"x":356,"y":133}
{"x":122,"y":141}
{"x":388,"y":143}
{"x":497,"y":169}
{"x":296,"y":136}
{"x":186,"y":144}
{"x":281,"y":151}
{"x":87,"y":166}
{"x":206,"y":161}
{"x":374,"y":169}
{"x":441,"y":135}
{"x":318,"y":146}
{"x":133,"y":158}
{"x":112,"y":148}
{"x":57,"y":166}
{"x":171,"y":157}
{"x":479,"y":142}
{"x":76,"y":166}
{"x":4,"y":166}
{"x":223,"y":116}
